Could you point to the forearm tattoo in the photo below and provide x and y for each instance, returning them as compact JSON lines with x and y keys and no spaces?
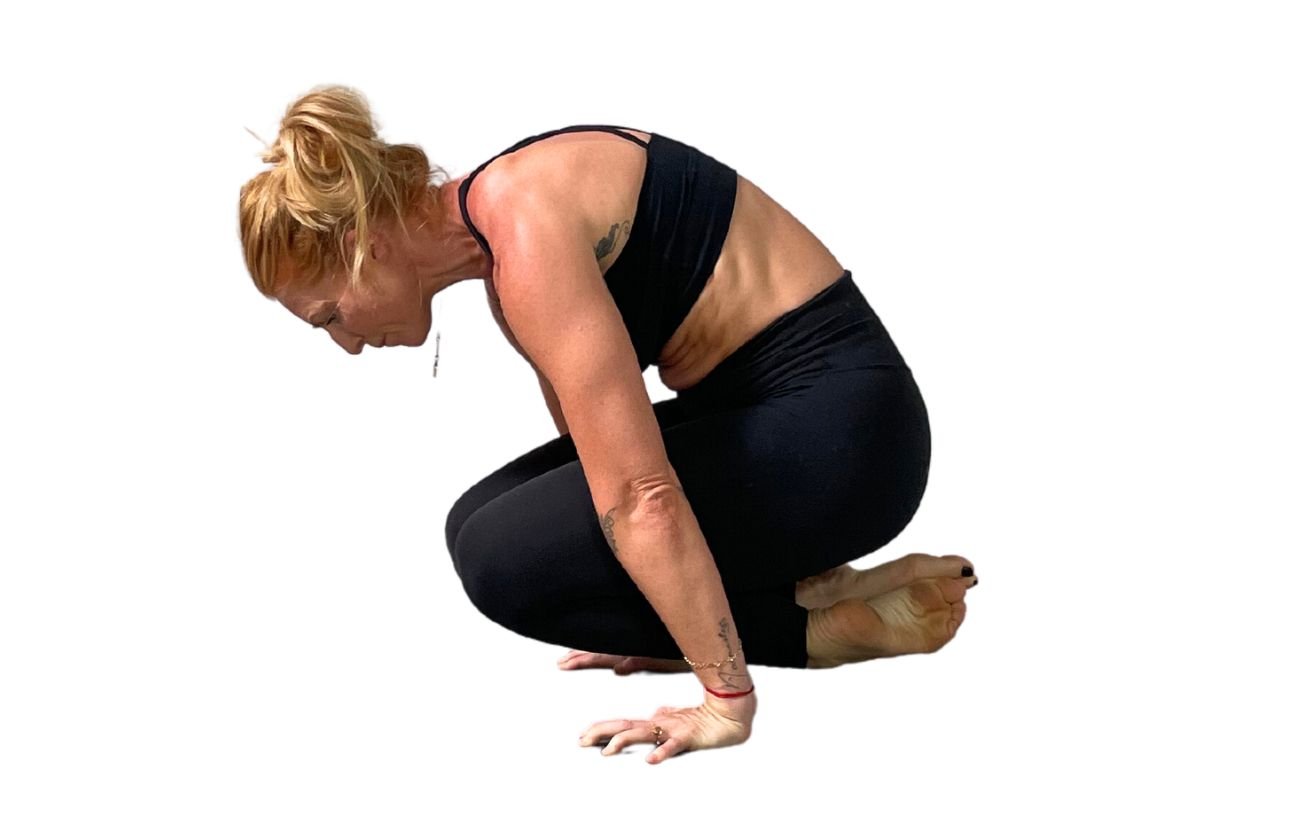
{"x":731,"y":678}
{"x":607,"y":526}
{"x":606,"y":245}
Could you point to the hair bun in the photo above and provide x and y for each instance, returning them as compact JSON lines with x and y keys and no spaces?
{"x":271,"y":154}
{"x":331,"y":173}
{"x":276,"y":154}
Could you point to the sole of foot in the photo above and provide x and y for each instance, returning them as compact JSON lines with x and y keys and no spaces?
{"x":844,"y":582}
{"x":920,"y":617}
{"x":894,"y":623}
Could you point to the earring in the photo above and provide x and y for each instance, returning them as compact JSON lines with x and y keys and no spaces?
{"x":437,"y":336}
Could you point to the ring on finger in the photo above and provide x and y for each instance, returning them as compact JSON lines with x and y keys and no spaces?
{"x":659,"y":734}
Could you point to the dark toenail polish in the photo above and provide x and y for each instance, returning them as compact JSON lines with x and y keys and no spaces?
{"x":967,"y":571}
{"x":977,"y":581}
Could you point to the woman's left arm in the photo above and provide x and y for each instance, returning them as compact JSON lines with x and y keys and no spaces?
{"x":658,"y":540}
{"x":553,"y":296}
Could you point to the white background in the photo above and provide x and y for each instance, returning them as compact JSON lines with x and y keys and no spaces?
{"x":224,"y":587}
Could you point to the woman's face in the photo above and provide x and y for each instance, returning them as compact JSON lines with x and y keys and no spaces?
{"x":388,"y":309}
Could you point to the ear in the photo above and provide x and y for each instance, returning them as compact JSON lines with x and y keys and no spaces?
{"x":377,"y":247}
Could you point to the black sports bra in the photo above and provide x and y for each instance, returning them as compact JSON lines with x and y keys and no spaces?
{"x":683,"y":213}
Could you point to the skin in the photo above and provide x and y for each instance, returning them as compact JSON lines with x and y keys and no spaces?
{"x":913,"y":605}
{"x":394,"y":307}
{"x":402,"y":276}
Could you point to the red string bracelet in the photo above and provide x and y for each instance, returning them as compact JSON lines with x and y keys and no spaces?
{"x":730,"y":694}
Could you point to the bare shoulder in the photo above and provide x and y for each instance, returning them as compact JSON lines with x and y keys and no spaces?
{"x":539,"y":238}
{"x":574,"y":183}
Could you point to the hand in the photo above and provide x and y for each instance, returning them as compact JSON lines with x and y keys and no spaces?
{"x":621,"y":664}
{"x":716,"y":723}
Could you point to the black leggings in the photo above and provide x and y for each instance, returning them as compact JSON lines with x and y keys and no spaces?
{"x":806,"y":448}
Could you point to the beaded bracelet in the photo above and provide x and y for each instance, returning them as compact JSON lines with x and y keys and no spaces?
{"x":730,"y":659}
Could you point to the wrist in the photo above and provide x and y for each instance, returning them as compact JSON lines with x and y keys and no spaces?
{"x":740,"y":708}
{"x":728,"y":677}
{"x":730,"y":694}
{"x":726,"y":680}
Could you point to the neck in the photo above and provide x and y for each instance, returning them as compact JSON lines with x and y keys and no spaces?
{"x":446,"y":251}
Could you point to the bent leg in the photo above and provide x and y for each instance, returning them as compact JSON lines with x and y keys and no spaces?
{"x":782,"y":490}
{"x":535,"y":561}
{"x":545,"y":458}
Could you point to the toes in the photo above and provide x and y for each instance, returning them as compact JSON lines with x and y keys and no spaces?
{"x":954,"y":590}
{"x":958,"y":566}
{"x":958,"y":615}
{"x":915,"y":566}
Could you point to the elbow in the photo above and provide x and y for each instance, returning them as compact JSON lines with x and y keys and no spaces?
{"x":660,"y":504}
{"x":649,"y":522}
{"x":660,"y":489}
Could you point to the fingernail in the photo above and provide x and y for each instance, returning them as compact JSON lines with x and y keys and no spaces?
{"x":967,"y":571}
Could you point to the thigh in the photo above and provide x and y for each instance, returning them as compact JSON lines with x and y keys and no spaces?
{"x":782,"y":489}
{"x":529,"y":466}
{"x":535,"y":561}
{"x":826,"y":471}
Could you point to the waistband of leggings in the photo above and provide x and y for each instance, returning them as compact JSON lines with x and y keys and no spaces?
{"x":835,"y":328}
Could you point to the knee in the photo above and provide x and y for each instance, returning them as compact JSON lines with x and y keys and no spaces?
{"x":493,"y":585}
{"x":460,"y":511}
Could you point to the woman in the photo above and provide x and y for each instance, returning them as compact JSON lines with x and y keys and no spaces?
{"x":647,"y":536}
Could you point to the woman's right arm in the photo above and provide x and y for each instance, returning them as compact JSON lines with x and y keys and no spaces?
{"x":548,"y":393}
{"x":552,"y":403}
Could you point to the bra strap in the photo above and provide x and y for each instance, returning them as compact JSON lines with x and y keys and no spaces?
{"x":464,"y":187}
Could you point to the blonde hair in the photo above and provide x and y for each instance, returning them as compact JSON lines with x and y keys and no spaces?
{"x":331,"y":173}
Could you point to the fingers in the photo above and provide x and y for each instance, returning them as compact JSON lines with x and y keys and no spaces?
{"x":670,"y":747}
{"x":618,"y":734}
{"x":644,"y":733}
{"x":580,"y":659}
{"x":621,"y":664}
{"x":602,"y":731}
{"x":636,"y":663}
{"x":671,"y":731}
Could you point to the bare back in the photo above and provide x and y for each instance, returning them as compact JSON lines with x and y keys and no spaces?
{"x":770,"y":263}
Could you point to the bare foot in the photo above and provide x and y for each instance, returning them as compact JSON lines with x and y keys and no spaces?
{"x":621,"y":664}
{"x":844,"y":582}
{"x":916,"y":618}
{"x":893,"y":623}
